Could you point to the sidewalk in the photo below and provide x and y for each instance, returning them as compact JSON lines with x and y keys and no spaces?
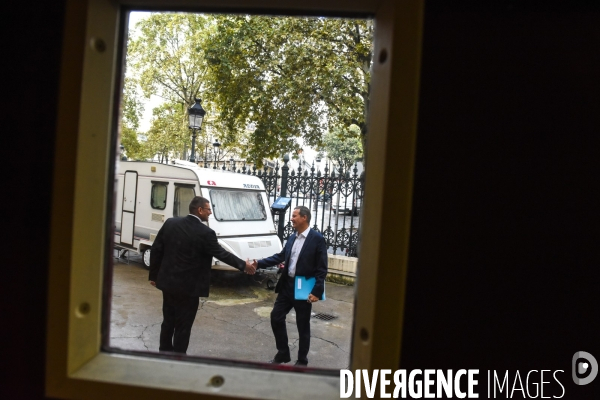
{"x":233,"y":322}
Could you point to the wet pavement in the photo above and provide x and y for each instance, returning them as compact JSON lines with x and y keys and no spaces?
{"x":233,"y":322}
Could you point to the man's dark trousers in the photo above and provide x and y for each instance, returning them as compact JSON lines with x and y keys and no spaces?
{"x":283,"y":304}
{"x":179,"y":313}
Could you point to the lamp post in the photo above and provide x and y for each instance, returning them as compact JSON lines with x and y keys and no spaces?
{"x":196,"y":115}
{"x":283,"y":193}
{"x":318,"y":188}
{"x":216,"y":151}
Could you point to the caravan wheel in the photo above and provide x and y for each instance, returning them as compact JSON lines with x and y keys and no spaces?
{"x":146,"y":257}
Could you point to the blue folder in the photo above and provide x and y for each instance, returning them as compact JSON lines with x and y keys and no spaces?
{"x":303,"y":286}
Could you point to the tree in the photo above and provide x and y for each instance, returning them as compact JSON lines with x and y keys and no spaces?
{"x":131,"y":113}
{"x":290,"y":77}
{"x":168,"y":56}
{"x":266,"y":82}
{"x":343,"y":147}
{"x":167,"y":59}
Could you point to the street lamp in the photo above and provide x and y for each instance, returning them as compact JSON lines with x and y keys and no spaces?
{"x":216,"y":151}
{"x":196,"y":115}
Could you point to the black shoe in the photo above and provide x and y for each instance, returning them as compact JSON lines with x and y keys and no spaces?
{"x":301,"y":363}
{"x":280,"y":360}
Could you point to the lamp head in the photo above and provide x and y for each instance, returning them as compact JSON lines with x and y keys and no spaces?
{"x":196,"y":115}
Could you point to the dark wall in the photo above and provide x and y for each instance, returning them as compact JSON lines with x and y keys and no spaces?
{"x":504,"y":255}
{"x":31,"y":45}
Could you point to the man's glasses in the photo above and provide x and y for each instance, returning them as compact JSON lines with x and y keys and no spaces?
{"x":204,"y":208}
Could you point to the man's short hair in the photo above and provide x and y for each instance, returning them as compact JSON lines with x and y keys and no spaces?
{"x":304,"y":212}
{"x":196,"y":202}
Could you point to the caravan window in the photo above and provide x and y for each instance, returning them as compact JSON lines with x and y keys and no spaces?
{"x":158,"y":195}
{"x":237,"y":205}
{"x":183,"y":196}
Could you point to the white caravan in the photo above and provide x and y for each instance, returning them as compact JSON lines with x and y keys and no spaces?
{"x":148,"y":193}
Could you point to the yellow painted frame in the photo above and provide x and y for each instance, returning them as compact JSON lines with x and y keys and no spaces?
{"x":76,"y":368}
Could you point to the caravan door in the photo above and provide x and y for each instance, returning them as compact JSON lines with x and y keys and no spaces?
{"x":129,"y":198}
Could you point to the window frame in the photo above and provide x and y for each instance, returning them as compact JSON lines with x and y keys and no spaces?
{"x":159,"y":183}
{"x":84,"y":181}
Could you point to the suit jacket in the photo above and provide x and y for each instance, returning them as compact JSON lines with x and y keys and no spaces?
{"x":181,"y":257}
{"x":312,"y":261}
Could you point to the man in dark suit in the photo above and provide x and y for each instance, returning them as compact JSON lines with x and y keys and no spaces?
{"x":180,"y":266}
{"x":304,"y":254}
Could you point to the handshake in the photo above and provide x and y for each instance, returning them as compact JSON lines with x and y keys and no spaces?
{"x":251,"y":267}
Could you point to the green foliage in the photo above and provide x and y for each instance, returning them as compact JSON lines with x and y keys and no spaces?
{"x":132,"y":107}
{"x":266,"y":82}
{"x":344,"y":146}
{"x":131,"y":113}
{"x":167,"y":61}
{"x":289,"y":77}
{"x":169,"y":133}
{"x":133,"y":148}
{"x":168,"y":56}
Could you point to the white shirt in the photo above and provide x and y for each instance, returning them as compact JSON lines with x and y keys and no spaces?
{"x":296,"y":248}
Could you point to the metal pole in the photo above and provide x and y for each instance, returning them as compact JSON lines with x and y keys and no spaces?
{"x":283,"y":193}
{"x":337,"y":214}
{"x":205,"y":153}
{"x":325,"y":201}
{"x":193,"y":156}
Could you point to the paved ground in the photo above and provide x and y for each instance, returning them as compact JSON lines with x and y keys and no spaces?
{"x":232,"y":323}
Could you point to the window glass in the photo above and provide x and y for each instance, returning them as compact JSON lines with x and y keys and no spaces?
{"x":158,"y":198}
{"x":183,"y":197}
{"x":179,"y":59}
{"x":237,"y":205}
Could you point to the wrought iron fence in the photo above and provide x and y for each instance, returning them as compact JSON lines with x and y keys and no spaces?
{"x":334,"y":198}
